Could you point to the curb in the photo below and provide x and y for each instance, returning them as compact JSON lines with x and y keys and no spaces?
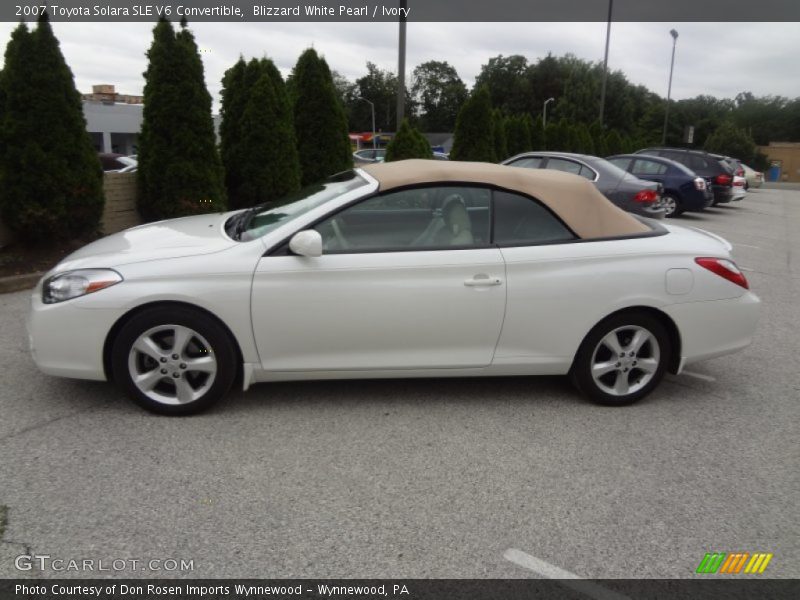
{"x":16,"y":283}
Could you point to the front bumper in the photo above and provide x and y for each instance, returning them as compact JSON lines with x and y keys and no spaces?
{"x":66,"y":339}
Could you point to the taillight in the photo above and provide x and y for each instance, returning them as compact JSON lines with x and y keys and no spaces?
{"x":723,"y":179}
{"x":725,"y":268}
{"x":699,"y":183}
{"x":646,"y":196}
{"x":738,"y":183}
{"x":740,"y":172}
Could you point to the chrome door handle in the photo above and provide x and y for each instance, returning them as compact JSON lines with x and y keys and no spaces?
{"x":482,"y":280}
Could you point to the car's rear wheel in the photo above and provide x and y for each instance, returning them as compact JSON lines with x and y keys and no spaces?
{"x":622,"y":359}
{"x":173,"y":361}
{"x":671,"y":205}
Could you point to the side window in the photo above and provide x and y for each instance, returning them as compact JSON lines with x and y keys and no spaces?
{"x":622,"y":163}
{"x":697,"y":163}
{"x":521,"y":221}
{"x":587,"y":173}
{"x":561,"y":164}
{"x":530,"y":162}
{"x":648,"y":167}
{"x":427,"y":218}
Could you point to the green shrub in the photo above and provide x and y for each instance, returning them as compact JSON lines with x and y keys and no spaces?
{"x":257,"y":135}
{"x":180,"y":172}
{"x":50,"y":176}
{"x":407,"y":143}
{"x":474,"y":135}
{"x":320,"y":123}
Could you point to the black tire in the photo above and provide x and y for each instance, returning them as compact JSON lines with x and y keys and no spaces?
{"x":208,"y":332}
{"x":581,"y":372}
{"x":678,"y":207}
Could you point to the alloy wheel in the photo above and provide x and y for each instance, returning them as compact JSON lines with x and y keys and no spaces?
{"x":625,"y":360}
{"x":172,"y":364}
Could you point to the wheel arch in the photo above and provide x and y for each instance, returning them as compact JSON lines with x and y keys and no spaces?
{"x":662,"y":317}
{"x":120,"y":323}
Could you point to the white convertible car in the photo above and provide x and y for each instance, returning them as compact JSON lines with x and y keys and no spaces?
{"x":407,"y":269}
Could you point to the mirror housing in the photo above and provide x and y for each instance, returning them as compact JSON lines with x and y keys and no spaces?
{"x":306,"y":243}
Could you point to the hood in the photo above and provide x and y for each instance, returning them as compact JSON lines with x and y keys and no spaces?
{"x":173,"y":238}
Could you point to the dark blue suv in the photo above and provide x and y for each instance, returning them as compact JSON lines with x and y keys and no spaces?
{"x":683,"y":189}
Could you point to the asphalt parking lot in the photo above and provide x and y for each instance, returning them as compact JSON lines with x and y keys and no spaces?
{"x":425,"y":478}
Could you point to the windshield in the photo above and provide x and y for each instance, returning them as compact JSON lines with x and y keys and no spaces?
{"x":262,"y":219}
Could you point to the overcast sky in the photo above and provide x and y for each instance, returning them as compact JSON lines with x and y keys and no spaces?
{"x":720,"y":59}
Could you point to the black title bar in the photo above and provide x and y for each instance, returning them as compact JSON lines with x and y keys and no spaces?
{"x":672,"y":11}
{"x":705,"y":587}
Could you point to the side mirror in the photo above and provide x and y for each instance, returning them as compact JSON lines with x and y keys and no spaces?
{"x":306,"y":243}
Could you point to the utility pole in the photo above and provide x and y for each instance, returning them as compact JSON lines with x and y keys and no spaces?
{"x":401,"y":66}
{"x":674,"y":35}
{"x":605,"y":63}
{"x":544,"y":112}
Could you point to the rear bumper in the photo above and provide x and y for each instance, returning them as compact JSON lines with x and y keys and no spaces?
{"x":715,"y":328}
{"x":722,"y":194}
{"x":696,"y":200}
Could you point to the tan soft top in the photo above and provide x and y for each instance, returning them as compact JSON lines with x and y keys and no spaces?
{"x":575,"y":199}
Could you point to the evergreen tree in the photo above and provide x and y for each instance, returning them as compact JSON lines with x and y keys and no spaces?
{"x":50,"y":177}
{"x":518,"y":135}
{"x":598,"y":137}
{"x":584,"y":144}
{"x":180,"y":172}
{"x":423,"y":144}
{"x":270,"y":168}
{"x":628,"y":144}
{"x":499,"y":133}
{"x":258,"y":142}
{"x":407,"y":143}
{"x":320,"y":124}
{"x":474,"y":135}
{"x":732,"y":141}
{"x":614,"y":143}
{"x":234,"y":99}
{"x":537,"y":133}
{"x":573,"y":136}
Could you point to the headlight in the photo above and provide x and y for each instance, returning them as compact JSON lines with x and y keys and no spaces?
{"x":80,"y":282}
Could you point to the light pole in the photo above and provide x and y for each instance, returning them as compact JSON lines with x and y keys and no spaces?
{"x":401,"y":66}
{"x":674,"y":35}
{"x":544,"y":112}
{"x":372,"y":106}
{"x":605,"y":63}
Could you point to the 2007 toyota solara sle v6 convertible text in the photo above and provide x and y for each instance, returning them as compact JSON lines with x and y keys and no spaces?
{"x":407,"y":269}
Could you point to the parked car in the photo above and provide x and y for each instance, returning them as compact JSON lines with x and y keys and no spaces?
{"x":753,"y":178}
{"x":739,"y":187}
{"x":718,"y":174}
{"x":406,"y":269}
{"x":440,"y":156}
{"x":623,"y":189}
{"x":683,"y":190}
{"x":118,"y":163}
{"x":369,"y":155}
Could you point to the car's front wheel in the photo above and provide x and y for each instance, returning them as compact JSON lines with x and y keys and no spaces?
{"x":622,"y":359}
{"x":173,"y":360}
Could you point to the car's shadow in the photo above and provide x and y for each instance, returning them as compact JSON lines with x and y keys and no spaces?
{"x":460,"y":390}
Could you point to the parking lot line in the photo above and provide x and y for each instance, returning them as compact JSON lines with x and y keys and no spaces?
{"x":747,"y":246}
{"x":570,"y":580}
